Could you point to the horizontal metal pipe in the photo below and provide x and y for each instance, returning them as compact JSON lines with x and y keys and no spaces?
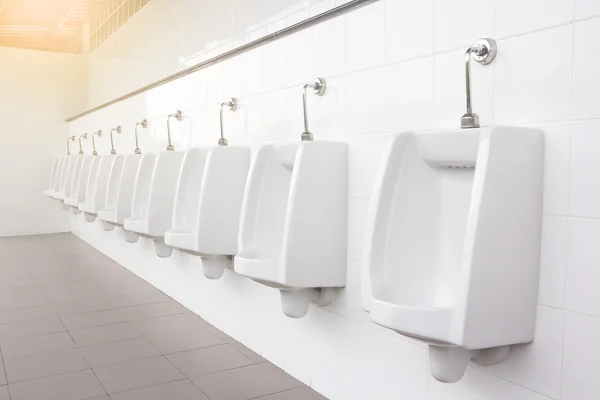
{"x":232,"y":53}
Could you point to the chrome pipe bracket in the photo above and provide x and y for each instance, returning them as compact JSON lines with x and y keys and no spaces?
{"x":99,"y":134}
{"x":144,"y":124}
{"x":84,"y":136}
{"x":178,"y":115}
{"x":232,"y":105}
{"x":112,"y":142}
{"x":318,"y":87}
{"x":484,"y":52}
{"x":72,"y":139}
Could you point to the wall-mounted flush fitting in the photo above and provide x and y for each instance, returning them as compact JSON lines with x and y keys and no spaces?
{"x":84,"y":136}
{"x":144,"y":124}
{"x":99,"y":134}
{"x":112,"y":143}
{"x":318,"y":87}
{"x":72,"y":139}
{"x":178,"y":115}
{"x":484,"y":52}
{"x":232,"y":105}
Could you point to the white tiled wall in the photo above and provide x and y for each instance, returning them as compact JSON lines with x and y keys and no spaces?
{"x":392,"y":65}
{"x":37,"y":90}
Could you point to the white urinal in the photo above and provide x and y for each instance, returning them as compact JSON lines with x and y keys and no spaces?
{"x":96,"y":189}
{"x":69,"y":179}
{"x":293,"y":224}
{"x":114,"y":177}
{"x":78,"y":188}
{"x":61,"y":173}
{"x":120,"y":194}
{"x":153,"y":196}
{"x":208,"y":203}
{"x":67,"y":171}
{"x":54,"y":175}
{"x":453,"y":242}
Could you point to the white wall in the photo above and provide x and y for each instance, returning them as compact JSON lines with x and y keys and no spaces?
{"x":391,"y":66}
{"x":37,"y":91}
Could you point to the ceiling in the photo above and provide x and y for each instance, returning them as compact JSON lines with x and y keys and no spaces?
{"x":52,"y":25}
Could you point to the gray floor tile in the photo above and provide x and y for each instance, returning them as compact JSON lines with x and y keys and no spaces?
{"x":30,"y":328}
{"x":302,"y":393}
{"x":179,"y":390}
{"x":36,"y":344}
{"x":179,"y":341}
{"x":72,"y":386}
{"x":104,"y":334}
{"x":4,"y":393}
{"x":247,"y":352}
{"x":21,"y":298}
{"x":146,"y":311}
{"x":211,"y":359}
{"x":17,"y":280}
{"x":59,"y":274}
{"x":244,"y":383}
{"x":137,"y":374}
{"x":3,"y":379}
{"x":169,"y":324}
{"x":119,"y":352}
{"x":44,"y":364}
{"x":26,"y":314}
{"x":93,"y":319}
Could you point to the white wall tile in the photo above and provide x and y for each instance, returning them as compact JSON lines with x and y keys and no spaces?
{"x":450,"y":98}
{"x":326,"y":381}
{"x":514,"y":16}
{"x":409,"y":95}
{"x":556,"y":168}
{"x":586,"y":8}
{"x":328,"y":49}
{"x":586,"y":63}
{"x":534,"y":89}
{"x":585,"y":169}
{"x":357,"y":221}
{"x":583,"y":274}
{"x":327,"y":113}
{"x":581,"y":358}
{"x":365,"y":102}
{"x":499,"y":389}
{"x":537,"y":365}
{"x":365,"y":33}
{"x":354,"y":391}
{"x":363,"y":163}
{"x":553,"y":264}
{"x":251,"y":68}
{"x":409,"y":29}
{"x":459,"y":23}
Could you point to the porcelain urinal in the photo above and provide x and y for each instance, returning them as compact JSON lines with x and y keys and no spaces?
{"x":60,"y":174}
{"x":97,"y":186}
{"x":208,"y":203}
{"x":453,"y":242}
{"x":56,"y":166}
{"x":72,"y":169}
{"x":293,"y":224}
{"x":79,"y":186}
{"x":64,"y":183}
{"x":120,"y":195}
{"x":153,"y":197}
{"x":112,"y":187}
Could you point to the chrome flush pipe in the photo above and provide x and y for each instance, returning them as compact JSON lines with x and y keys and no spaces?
{"x":144,"y":124}
{"x":72,"y":139}
{"x":318,"y":87}
{"x":232,"y":105}
{"x":483,"y":51}
{"x":112,"y":142}
{"x":99,"y":134}
{"x":85,"y":136}
{"x":178,"y":115}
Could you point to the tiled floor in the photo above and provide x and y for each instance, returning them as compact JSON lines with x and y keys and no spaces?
{"x":75,"y":325}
